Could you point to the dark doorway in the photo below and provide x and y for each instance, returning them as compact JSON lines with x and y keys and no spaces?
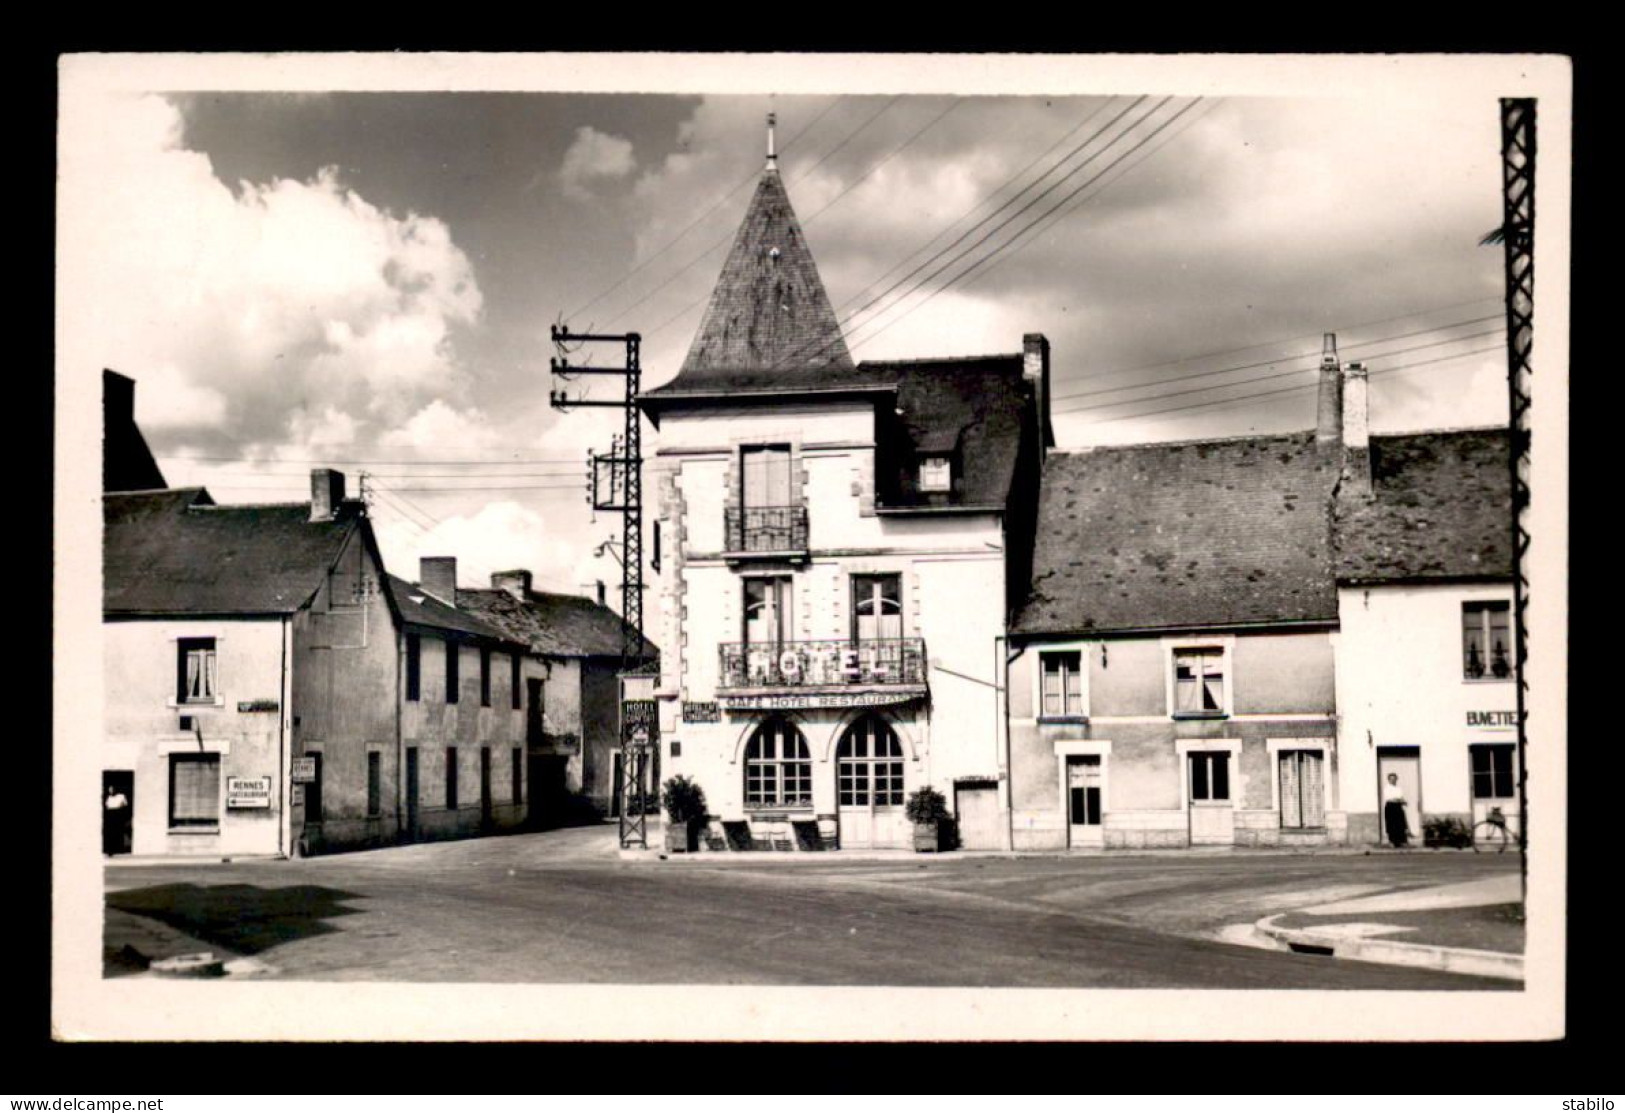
{"x":548,"y":805}
{"x":118,"y":808}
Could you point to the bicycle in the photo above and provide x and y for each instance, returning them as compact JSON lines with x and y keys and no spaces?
{"x":1493,"y":829}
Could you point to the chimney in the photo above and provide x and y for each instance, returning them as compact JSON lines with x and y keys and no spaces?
{"x":1356,"y":430}
{"x":326,"y":493}
{"x":1329,"y":420}
{"x":600,"y":586}
{"x":515,"y":582}
{"x":438,"y":576}
{"x":1035,"y":370}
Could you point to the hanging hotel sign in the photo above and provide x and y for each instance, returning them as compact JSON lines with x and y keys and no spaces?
{"x":811,"y":700}
{"x":248,"y":792}
{"x":1502,"y":719}
{"x":701,"y":712}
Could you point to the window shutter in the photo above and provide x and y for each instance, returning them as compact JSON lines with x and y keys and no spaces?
{"x":1291,"y":803}
{"x":195,"y":789}
{"x":1314,"y":795}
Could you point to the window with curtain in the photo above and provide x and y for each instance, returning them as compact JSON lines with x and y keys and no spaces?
{"x":194,"y":790}
{"x":1063,"y":684}
{"x":877,"y":607}
{"x":1486,"y":640}
{"x":1199,"y":681}
{"x":195,"y":670}
{"x":778,"y":767}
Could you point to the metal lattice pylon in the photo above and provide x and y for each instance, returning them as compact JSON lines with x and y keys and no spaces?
{"x":1518,"y":239}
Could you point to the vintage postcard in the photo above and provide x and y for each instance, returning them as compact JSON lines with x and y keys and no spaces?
{"x":811,"y":547}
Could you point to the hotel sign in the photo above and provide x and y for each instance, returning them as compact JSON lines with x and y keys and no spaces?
{"x":1503,"y":719}
{"x":248,"y":792}
{"x":810,"y":700}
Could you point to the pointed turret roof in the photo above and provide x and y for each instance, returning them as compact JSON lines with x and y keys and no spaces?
{"x":769,"y":309}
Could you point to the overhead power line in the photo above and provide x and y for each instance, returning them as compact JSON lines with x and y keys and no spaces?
{"x":1289,"y":389}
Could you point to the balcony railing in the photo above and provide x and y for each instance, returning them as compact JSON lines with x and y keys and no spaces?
{"x":765,"y":529}
{"x":830,"y":663}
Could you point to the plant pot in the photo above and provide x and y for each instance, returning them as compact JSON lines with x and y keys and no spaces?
{"x":682,"y":838}
{"x":926,"y":838}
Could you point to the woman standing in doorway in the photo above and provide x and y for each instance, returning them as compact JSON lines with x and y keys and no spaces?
{"x":1393,"y":812}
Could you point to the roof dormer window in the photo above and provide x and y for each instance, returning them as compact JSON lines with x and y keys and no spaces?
{"x":936,"y":474}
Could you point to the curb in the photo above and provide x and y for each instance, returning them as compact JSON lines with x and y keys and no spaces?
{"x":1456,"y":960}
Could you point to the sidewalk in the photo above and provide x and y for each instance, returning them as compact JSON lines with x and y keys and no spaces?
{"x":1475,"y":927}
{"x":139,"y":946}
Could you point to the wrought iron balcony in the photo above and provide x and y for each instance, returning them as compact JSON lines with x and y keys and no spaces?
{"x":765,"y":529}
{"x":831,"y":663}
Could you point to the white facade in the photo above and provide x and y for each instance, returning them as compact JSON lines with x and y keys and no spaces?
{"x":1406,"y":704}
{"x":937,"y":695}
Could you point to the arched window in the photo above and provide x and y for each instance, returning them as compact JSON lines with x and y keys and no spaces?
{"x":778,"y":767}
{"x":869,"y":765}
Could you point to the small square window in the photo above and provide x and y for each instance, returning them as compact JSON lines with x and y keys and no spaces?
{"x":936,"y":473}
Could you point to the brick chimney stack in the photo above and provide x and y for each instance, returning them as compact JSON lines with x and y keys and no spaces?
{"x":1329,"y":419}
{"x":1356,"y":430}
{"x":1035,"y":370}
{"x":438,"y":577}
{"x":326,"y":494}
{"x":515,"y":582}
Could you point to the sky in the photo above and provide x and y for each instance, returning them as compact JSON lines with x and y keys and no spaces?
{"x":366,"y":280}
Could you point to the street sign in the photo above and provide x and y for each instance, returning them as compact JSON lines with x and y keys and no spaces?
{"x":304,"y":770}
{"x":248,"y":792}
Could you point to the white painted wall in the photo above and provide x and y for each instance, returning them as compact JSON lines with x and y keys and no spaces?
{"x":142,"y":728}
{"x":1400,"y":683}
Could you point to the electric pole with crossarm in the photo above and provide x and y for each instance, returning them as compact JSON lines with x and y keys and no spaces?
{"x":617,"y":484}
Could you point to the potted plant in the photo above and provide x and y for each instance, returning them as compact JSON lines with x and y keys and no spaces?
{"x":684,"y":802}
{"x":927,"y":809}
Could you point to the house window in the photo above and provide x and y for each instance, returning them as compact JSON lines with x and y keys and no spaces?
{"x":1303,"y":791}
{"x":767,"y":611}
{"x":1486,"y":640}
{"x":1199,"y":681}
{"x":485,"y":676}
{"x":195,"y":676}
{"x":936,"y":474}
{"x":1063,"y":684}
{"x":877,"y":608}
{"x":1492,"y":773}
{"x":778,"y":767}
{"x":1210,"y":775}
{"x":515,"y":699}
{"x":194,"y":790}
{"x":375,"y":787}
{"x":452,"y":681}
{"x":869,"y":765}
{"x":414,"y":667}
{"x":766,"y":473}
{"x":451,"y":778}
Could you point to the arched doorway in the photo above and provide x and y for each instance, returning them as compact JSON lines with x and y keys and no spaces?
{"x":778,"y":767}
{"x":869,"y":785}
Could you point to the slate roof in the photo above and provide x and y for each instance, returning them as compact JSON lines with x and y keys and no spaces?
{"x":768,"y":307}
{"x":552,"y":625}
{"x":971,"y":407}
{"x":1183,"y":535}
{"x":419,"y":608}
{"x":176,"y":552}
{"x":1440,"y":509}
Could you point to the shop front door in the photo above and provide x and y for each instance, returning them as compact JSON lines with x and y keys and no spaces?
{"x":981,"y":825}
{"x":1406,"y":763}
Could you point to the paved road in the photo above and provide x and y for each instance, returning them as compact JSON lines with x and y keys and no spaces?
{"x":562,"y":907}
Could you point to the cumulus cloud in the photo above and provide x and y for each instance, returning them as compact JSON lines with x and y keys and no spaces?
{"x":500,"y":535}
{"x":593,"y":157}
{"x":252,"y":312}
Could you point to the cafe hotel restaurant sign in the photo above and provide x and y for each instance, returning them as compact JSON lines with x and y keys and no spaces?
{"x":801,"y":701}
